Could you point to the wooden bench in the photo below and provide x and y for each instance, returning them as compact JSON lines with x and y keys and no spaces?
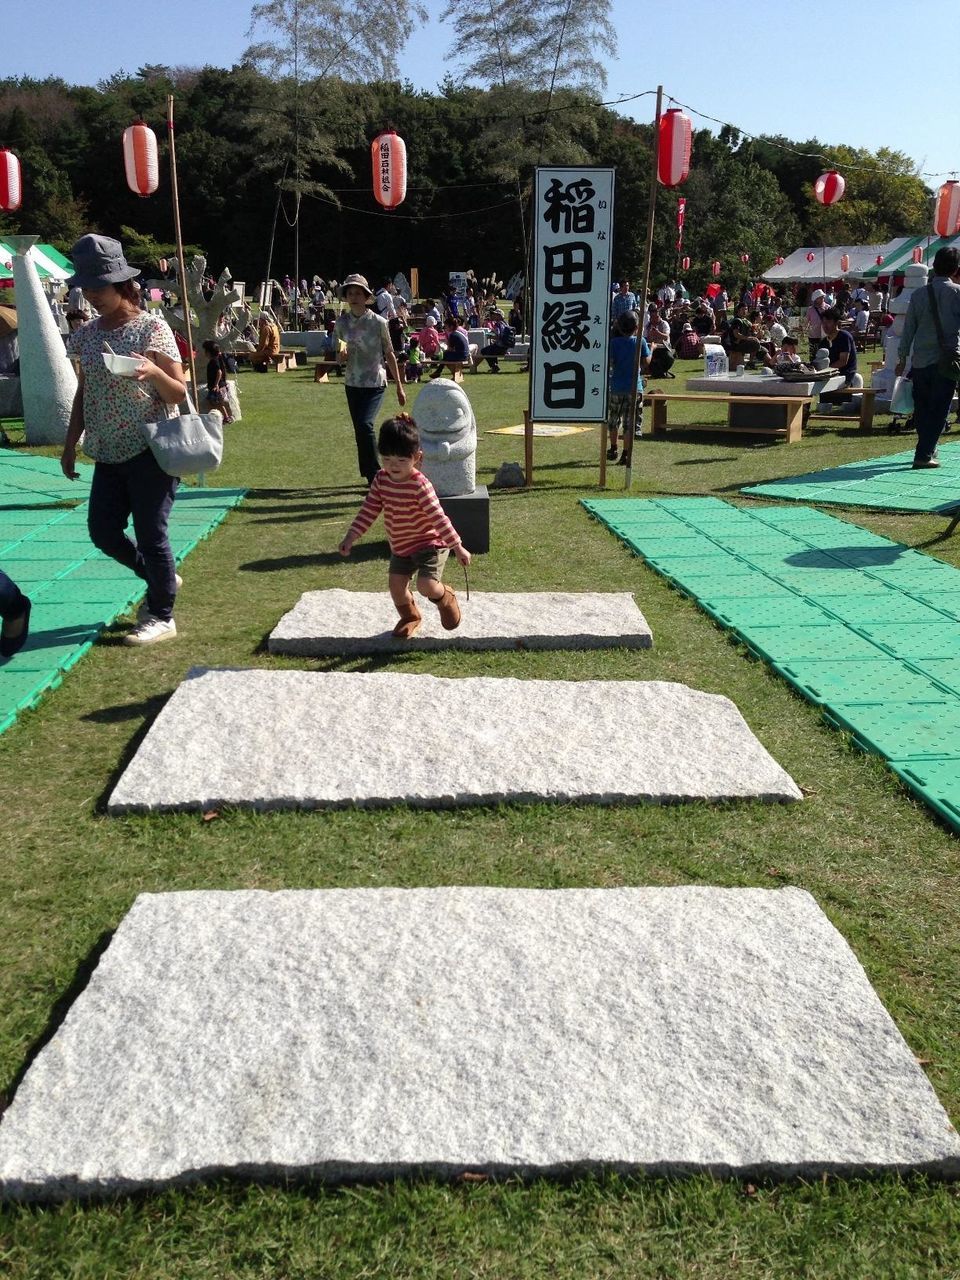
{"x":789,"y":409}
{"x":283,"y":361}
{"x":863,"y":415}
{"x":324,"y":367}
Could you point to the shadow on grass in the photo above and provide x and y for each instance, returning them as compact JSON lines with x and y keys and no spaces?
{"x":365,"y":551}
{"x":149,"y":709}
{"x":326,"y":509}
{"x":316,"y":491}
{"x":126,"y":711}
{"x":706,"y":462}
{"x":61,"y":1007}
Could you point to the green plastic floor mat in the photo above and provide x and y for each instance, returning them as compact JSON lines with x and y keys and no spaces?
{"x":904,"y":730}
{"x":74,"y":589}
{"x":861,"y":626}
{"x":937,"y":783}
{"x":883,"y":679}
{"x":888,"y":483}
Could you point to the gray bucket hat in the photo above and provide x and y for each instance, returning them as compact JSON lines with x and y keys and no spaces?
{"x":98,"y":260}
{"x":360,"y":282}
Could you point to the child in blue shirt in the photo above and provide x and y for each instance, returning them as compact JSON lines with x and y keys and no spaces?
{"x":622,"y":355}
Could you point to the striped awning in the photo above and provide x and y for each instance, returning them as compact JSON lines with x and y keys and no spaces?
{"x":50,"y":263}
{"x":897,"y":262}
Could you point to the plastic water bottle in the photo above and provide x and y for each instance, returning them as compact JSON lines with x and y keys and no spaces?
{"x":715,"y":362}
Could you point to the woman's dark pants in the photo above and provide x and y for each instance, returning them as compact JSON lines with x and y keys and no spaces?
{"x":136,"y":488}
{"x":364,"y":405}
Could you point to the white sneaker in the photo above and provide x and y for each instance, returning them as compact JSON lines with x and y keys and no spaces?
{"x":143,"y":613}
{"x":151,"y":631}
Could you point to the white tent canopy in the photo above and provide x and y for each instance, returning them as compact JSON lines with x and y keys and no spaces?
{"x":826,"y":262}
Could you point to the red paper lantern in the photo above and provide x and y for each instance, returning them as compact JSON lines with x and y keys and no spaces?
{"x":829,"y":187}
{"x":811,"y":257}
{"x":879,"y":259}
{"x":388,"y":153}
{"x":140,"y":159}
{"x":779,"y":260}
{"x":11,"y":189}
{"x":715,"y":268}
{"x":744,"y":258}
{"x":685,"y":264}
{"x":673,"y":154}
{"x":844,"y":262}
{"x":918,"y":254}
{"x":946,"y":212}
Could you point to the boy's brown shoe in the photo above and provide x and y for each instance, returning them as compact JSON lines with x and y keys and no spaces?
{"x":409,"y":624}
{"x":449,"y":609}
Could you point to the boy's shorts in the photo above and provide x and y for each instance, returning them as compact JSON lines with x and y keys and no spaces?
{"x":427,"y":563}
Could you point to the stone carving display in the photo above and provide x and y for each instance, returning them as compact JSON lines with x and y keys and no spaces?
{"x":448,"y":437}
{"x":48,"y":383}
{"x":206,"y":313}
{"x":914,"y":277}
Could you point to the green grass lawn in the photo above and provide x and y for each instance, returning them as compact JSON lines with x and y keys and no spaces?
{"x":880,"y":865}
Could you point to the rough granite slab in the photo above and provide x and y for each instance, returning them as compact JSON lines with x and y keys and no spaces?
{"x":305,"y":739}
{"x":349,"y":622}
{"x":365,"y":1033}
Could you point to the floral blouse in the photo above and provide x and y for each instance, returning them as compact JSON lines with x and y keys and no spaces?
{"x":113,"y":407}
{"x":368,"y":344}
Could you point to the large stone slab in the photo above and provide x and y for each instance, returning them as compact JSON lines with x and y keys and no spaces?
{"x":364,"y":1033}
{"x":360,"y":622}
{"x":298,"y":739}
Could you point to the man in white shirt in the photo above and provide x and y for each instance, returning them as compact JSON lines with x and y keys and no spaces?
{"x":383,"y":302}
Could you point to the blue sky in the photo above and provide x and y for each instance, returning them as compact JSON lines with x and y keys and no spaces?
{"x":864,"y":76}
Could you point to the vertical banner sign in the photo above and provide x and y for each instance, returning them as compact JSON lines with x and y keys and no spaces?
{"x":572,"y":254}
{"x":681,"y":215}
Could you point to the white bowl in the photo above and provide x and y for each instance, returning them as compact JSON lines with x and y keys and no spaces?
{"x":122,"y":366}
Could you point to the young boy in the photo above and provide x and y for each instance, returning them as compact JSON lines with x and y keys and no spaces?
{"x":622,"y":355}
{"x":788,"y":351}
{"x":420,"y":535}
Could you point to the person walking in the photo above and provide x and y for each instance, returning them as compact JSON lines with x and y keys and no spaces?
{"x":108,"y":411}
{"x":370,"y":355}
{"x":922,"y":330}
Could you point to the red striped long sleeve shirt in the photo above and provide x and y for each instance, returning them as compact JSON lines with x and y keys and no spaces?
{"x":411,"y":511}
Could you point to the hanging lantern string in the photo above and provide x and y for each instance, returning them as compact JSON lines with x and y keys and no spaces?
{"x":753,"y":137}
{"x":809,"y":155}
{"x":409,"y":217}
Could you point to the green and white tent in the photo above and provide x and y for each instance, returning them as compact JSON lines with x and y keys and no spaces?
{"x":50,"y":263}
{"x":894,"y":264}
{"x":815,"y":263}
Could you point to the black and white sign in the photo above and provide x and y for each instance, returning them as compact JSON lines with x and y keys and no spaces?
{"x":573,"y":248}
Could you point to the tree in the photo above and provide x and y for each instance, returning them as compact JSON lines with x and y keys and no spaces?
{"x":314,"y":37}
{"x":361,"y":39}
{"x":533,"y":42}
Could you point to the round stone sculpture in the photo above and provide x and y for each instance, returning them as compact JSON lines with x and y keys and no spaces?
{"x":448,"y":437}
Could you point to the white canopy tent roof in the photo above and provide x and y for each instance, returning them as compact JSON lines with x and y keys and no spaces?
{"x":826,"y":262}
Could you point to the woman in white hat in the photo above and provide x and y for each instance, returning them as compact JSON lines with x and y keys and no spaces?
{"x":108,"y":411}
{"x":369,"y":355}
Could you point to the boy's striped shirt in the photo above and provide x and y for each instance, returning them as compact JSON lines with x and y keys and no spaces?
{"x":411,"y":511}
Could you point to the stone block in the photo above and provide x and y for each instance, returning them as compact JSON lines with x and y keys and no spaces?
{"x":348,"y":1034}
{"x":358,"y":622}
{"x":305,"y":739}
{"x":469,"y":514}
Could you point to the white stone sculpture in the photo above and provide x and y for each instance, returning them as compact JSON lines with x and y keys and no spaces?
{"x":914,"y":277}
{"x":48,"y":383}
{"x":448,"y":437}
{"x":205,"y":312}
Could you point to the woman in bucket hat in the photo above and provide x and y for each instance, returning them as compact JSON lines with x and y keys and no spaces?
{"x":369,"y":355}
{"x":108,"y":410}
